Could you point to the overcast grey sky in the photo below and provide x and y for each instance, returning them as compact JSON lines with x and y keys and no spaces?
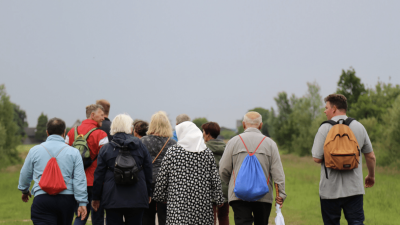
{"x":213,"y":59}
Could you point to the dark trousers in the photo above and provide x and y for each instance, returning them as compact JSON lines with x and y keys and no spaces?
{"x":222,"y":214}
{"x":352,"y":208}
{"x":97,"y":217}
{"x":53,"y":209}
{"x":149,"y":216}
{"x":244,"y":211}
{"x":133,"y":216}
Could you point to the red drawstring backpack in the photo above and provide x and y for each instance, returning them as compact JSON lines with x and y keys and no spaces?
{"x":52,"y":180}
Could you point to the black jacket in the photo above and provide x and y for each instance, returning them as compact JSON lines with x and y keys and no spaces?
{"x":112,"y":195}
{"x":105,"y":126}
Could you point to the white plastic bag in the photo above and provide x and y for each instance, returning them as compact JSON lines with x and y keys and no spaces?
{"x":279,"y":217}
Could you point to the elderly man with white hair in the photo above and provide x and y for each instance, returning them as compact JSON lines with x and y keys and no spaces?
{"x":252,"y":141}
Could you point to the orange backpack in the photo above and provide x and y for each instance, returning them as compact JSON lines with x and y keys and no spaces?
{"x":341,"y":149}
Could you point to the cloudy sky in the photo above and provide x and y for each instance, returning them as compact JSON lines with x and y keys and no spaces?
{"x":213,"y":59}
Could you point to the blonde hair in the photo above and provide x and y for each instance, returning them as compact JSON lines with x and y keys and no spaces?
{"x":160,"y":125}
{"x":92,"y":108}
{"x":122,"y":123}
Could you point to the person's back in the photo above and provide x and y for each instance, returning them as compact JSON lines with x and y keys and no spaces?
{"x":267,"y":154}
{"x":98,"y":138}
{"x":123,"y":200}
{"x":343,"y":189}
{"x":59,"y":208}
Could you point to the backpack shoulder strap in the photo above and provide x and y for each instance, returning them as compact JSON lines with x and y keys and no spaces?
{"x":76,"y":132}
{"x":348,"y":121}
{"x":88,"y":133}
{"x":331,"y":122}
{"x":248,"y":149}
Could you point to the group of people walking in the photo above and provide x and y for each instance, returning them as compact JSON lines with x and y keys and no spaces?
{"x":136,"y":170}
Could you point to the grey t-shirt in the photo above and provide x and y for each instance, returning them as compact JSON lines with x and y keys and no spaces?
{"x":341,"y":184}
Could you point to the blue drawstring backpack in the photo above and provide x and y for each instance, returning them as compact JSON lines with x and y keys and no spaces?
{"x":250,"y":183}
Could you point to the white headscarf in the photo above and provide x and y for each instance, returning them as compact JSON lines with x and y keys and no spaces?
{"x":190,"y":137}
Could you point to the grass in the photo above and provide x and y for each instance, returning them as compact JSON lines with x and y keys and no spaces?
{"x":381,"y":203}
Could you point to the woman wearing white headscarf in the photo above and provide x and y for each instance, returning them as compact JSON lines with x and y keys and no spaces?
{"x":188,"y":179}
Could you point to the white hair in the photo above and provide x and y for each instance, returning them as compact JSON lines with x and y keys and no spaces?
{"x":122,"y":123}
{"x":255,"y":121}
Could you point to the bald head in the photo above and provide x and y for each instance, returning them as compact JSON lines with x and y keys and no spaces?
{"x":252,"y":119}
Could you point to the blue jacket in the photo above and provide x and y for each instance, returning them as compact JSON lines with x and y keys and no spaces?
{"x":112,"y":195}
{"x":69,"y":160}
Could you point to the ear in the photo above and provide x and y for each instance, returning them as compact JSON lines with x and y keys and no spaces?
{"x":260,"y":126}
{"x":65,"y":132}
{"x":47,"y":133}
{"x":244,"y":125}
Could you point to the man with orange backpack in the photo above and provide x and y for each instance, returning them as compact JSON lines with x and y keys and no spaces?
{"x":88,"y":139}
{"x":54,"y":164}
{"x":338,"y":145}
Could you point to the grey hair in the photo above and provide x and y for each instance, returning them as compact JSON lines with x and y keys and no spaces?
{"x":182,"y":118}
{"x":255,"y":121}
{"x":122,"y":123}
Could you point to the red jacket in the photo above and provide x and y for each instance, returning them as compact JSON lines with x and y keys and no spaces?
{"x":95,"y":141}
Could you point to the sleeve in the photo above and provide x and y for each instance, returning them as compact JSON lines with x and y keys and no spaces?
{"x":225,"y":163}
{"x":69,"y":139}
{"x":367,"y":146}
{"x":26,"y":175}
{"x":102,"y":138}
{"x":99,"y":174}
{"x":79,"y":182}
{"x":161,"y":189}
{"x":148,"y":169}
{"x":318,"y":146}
{"x":216,"y":187}
{"x":277,"y":172}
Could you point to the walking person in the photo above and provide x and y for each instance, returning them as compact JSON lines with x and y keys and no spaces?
{"x":96,"y":139}
{"x":123,"y":191}
{"x":188,"y":179}
{"x":157,"y":141}
{"x":211,"y":130}
{"x":343,"y":189}
{"x":58,"y":208}
{"x":252,"y":141}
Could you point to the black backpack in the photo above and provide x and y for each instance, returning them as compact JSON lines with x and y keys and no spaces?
{"x":80,"y":143}
{"x":126,"y":171}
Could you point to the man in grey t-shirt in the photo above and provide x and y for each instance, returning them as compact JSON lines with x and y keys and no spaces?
{"x":343,"y":189}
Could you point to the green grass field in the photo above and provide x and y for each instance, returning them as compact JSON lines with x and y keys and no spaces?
{"x":381,"y":203}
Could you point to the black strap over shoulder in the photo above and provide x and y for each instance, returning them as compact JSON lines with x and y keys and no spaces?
{"x":331,"y":122}
{"x":348,"y":121}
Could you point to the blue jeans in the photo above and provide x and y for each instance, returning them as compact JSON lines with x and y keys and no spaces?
{"x":133,"y":216}
{"x":53,"y":209}
{"x":97,"y":217}
{"x":352,"y":208}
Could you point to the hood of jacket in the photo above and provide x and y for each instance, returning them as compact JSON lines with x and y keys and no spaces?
{"x":216,"y":146}
{"x":128,"y":140}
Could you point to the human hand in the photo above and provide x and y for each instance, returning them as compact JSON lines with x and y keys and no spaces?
{"x":82,"y":212}
{"x":221,"y":205}
{"x":149,"y":200}
{"x":369,"y":181}
{"x":95,"y":205}
{"x":25,"y":197}
{"x":279,"y":200}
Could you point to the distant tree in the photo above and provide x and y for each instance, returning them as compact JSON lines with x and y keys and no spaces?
{"x":41,"y":134}
{"x":350,"y":86}
{"x":199,"y":122}
{"x":9,"y":137}
{"x":20,"y":119}
{"x":283,"y":127}
{"x":227,"y":134}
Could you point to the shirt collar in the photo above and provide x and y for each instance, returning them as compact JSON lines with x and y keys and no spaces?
{"x":252,"y":129}
{"x":337,"y":118}
{"x":55,"y":137}
{"x":90,"y":122}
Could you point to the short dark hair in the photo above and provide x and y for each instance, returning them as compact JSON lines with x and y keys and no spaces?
{"x":56,"y":126}
{"x":140,"y":127}
{"x":338,"y":100}
{"x":211,"y":128}
{"x":105,"y":104}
